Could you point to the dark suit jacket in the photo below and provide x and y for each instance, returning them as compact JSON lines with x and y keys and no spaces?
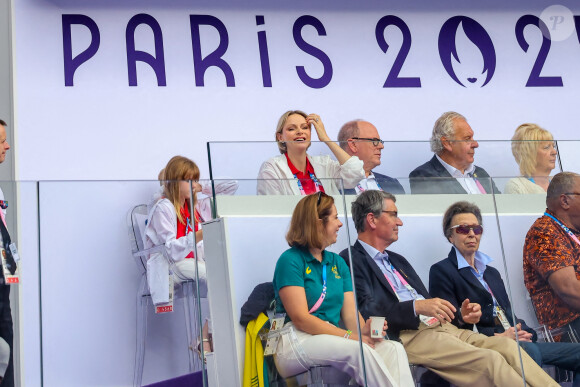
{"x":374,"y":294}
{"x":453,"y":285}
{"x":388,"y":184}
{"x":433,"y":178}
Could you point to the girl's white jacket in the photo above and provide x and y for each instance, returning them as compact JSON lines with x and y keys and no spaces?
{"x":161,"y":229}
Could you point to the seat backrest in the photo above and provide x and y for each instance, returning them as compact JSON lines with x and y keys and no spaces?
{"x":136,"y":223}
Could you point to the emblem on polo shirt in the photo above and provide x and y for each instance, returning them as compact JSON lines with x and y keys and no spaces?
{"x":308,"y":270}
{"x":335,"y":271}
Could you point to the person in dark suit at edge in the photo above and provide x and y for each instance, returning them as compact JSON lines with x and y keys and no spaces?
{"x":451,"y":169}
{"x":361,"y":138}
{"x":387,"y":285}
{"x":6,"y":328}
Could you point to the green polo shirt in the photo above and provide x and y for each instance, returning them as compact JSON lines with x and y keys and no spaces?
{"x":297,"y":267}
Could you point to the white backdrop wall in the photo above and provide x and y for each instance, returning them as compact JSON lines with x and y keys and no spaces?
{"x":101,"y":128}
{"x":113,"y":130}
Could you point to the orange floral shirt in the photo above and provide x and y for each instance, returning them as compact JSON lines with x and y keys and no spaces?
{"x":548,"y":248}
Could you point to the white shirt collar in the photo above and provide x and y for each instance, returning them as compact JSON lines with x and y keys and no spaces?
{"x":456,"y":172}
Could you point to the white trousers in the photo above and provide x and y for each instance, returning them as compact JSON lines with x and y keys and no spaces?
{"x":187,"y":269}
{"x":386,"y":364}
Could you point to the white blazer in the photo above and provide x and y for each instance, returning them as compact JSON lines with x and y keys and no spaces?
{"x":161,"y":230}
{"x":275,"y":177}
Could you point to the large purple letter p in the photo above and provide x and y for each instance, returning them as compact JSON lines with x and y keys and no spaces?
{"x":72,"y":64}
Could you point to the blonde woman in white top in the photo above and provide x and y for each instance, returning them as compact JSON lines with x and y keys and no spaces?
{"x":295,"y":172}
{"x":535,"y":152}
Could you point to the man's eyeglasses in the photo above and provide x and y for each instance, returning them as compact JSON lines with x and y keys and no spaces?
{"x":394,"y":214}
{"x":572,"y":193}
{"x":374,"y":140}
{"x":465,"y":228}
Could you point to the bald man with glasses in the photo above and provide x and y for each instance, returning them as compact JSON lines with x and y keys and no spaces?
{"x":361,"y":138}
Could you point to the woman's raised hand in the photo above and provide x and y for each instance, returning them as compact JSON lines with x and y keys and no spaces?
{"x":316,"y":121}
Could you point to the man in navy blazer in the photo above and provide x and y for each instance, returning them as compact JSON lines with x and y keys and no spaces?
{"x":451,"y":169}
{"x":466,"y":273}
{"x":360,"y":138}
{"x":387,"y":285}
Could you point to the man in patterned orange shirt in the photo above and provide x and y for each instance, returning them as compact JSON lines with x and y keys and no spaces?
{"x":552,"y":255}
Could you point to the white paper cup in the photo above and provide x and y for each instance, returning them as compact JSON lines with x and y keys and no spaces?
{"x":377,"y":324}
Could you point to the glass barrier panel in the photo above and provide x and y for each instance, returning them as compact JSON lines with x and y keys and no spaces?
{"x":399,"y":160}
{"x":91,"y":279}
{"x":428,"y":241}
{"x":98,"y":246}
{"x":569,"y":155}
{"x":254,"y":229}
{"x":418,"y":240}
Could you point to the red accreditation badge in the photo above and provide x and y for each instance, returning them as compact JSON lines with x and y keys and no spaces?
{"x":429,"y":321}
{"x":10,"y":272}
{"x":167,"y":307}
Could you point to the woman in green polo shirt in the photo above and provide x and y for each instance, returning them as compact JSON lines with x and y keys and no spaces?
{"x":314,"y":309}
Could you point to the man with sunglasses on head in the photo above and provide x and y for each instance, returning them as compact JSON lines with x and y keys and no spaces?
{"x":552,"y":256}
{"x":387,"y":285}
{"x":361,"y":138}
{"x":466,"y":273}
{"x":451,"y":169}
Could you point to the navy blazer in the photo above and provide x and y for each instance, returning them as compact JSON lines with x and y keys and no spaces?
{"x":455,"y":285}
{"x":388,"y":184}
{"x":433,"y":178}
{"x":374,"y":293}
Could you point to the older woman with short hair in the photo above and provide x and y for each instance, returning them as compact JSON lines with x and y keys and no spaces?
{"x":297,"y":173}
{"x":466,"y":273}
{"x":313,"y":286}
{"x":535,"y":152}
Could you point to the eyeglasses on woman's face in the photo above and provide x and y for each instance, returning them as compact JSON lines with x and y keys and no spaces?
{"x":465,"y":228}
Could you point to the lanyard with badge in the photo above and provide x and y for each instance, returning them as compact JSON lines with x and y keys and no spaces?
{"x":317,"y":183}
{"x":429,"y":321}
{"x":498,"y":310}
{"x":8,"y":250}
{"x":359,"y":187}
{"x":278,"y":322}
{"x":565,"y":228}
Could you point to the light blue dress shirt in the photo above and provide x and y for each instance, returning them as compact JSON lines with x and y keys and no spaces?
{"x":481,"y":261}
{"x":382,"y":261}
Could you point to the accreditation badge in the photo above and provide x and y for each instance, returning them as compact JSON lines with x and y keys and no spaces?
{"x":502,"y":318}
{"x":272,"y":342}
{"x":167,"y":307}
{"x":429,"y":321}
{"x":9,"y":269}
